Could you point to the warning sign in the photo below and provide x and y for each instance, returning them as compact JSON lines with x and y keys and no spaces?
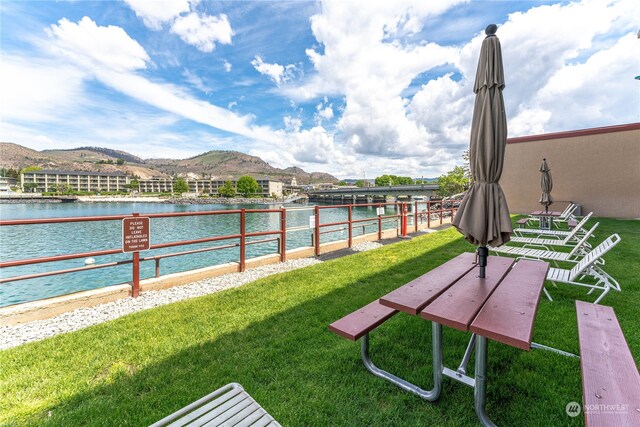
{"x":136,"y":234}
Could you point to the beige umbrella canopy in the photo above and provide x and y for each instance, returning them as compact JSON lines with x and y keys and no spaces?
{"x":546,"y":183}
{"x":483,"y":217}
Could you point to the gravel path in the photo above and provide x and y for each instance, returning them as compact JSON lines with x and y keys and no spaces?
{"x":366,"y":246}
{"x":13,"y":336}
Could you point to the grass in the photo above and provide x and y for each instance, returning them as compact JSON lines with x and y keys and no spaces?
{"x":271,"y":336}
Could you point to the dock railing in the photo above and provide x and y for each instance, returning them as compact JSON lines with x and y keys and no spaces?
{"x":422,"y":212}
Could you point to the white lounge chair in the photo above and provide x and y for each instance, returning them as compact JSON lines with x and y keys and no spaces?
{"x":588,"y":266}
{"x":528,"y":252}
{"x":570,"y":240}
{"x":540,"y":232}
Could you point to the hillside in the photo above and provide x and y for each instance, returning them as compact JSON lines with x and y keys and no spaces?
{"x":212,"y":164}
{"x":83,"y":154}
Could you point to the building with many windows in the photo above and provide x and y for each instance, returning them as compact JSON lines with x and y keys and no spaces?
{"x":6,"y":184}
{"x":57,"y":180}
{"x":156,"y":185}
{"x":268,"y":187}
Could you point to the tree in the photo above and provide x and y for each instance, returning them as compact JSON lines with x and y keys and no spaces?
{"x":227,"y":190}
{"x":453,"y":182}
{"x":343,"y":183}
{"x":30,"y":186}
{"x":120,"y":162}
{"x":247,"y":186}
{"x":31,"y":169}
{"x":10,"y":173}
{"x":134,"y":185}
{"x":180,"y":186}
{"x":361,"y":183}
{"x":385,"y":180}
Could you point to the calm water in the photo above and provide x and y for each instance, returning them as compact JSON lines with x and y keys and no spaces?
{"x":33,"y":241}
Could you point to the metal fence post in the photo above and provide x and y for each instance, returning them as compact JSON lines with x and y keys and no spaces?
{"x":283,"y":239}
{"x":405,"y":219}
{"x":316,"y":231}
{"x":429,"y":214}
{"x":350,"y":225}
{"x":380,"y":225}
{"x":243,"y":238}
{"x":415,"y":216}
{"x":135,"y":291}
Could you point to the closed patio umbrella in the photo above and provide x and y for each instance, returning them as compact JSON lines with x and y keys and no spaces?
{"x":546,"y":183}
{"x":483,"y":216}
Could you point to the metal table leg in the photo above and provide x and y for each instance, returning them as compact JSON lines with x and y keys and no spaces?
{"x":480,"y":386}
{"x":430,"y":395}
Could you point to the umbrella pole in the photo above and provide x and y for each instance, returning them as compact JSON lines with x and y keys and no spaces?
{"x":483,"y":253}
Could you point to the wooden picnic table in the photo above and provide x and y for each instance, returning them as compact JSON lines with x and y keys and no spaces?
{"x":500,"y":307}
{"x":546,"y":218}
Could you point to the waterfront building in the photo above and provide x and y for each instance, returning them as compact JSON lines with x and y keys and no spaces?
{"x":206,"y":186}
{"x":200,"y":186}
{"x":155,"y":185}
{"x":6,"y":183}
{"x":51,"y":180}
{"x":267,"y":187}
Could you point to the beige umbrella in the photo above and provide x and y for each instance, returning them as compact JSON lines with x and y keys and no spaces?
{"x":483,"y":216}
{"x":546,"y":183}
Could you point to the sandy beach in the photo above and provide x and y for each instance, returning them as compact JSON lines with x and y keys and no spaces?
{"x":131,"y":199}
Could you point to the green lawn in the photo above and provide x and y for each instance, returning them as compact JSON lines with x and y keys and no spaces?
{"x":271,"y":336}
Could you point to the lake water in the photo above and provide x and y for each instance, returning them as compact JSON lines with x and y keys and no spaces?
{"x":34,"y":241}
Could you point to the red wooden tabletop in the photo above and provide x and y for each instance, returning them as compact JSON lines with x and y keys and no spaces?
{"x":415,"y":295}
{"x":543,"y":213}
{"x":509,"y":314}
{"x":502,"y":306}
{"x":461,"y":302}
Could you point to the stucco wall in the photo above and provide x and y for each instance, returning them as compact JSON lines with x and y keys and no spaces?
{"x":597,"y":168}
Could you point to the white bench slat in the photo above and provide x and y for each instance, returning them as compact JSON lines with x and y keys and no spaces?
{"x":224,"y":412}
{"x":228,"y":406}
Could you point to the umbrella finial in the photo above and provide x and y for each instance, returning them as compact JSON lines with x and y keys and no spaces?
{"x":491,"y":30}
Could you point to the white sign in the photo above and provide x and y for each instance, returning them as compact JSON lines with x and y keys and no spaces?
{"x":312,"y":221}
{"x":380,"y":211}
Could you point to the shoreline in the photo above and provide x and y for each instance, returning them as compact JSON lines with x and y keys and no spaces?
{"x":155,"y":199}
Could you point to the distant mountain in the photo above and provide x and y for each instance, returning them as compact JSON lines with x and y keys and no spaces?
{"x":229,"y":164}
{"x":84,"y":153}
{"x":212,"y":164}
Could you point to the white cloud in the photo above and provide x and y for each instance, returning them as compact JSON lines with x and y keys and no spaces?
{"x":36,"y":90}
{"x":154,"y":13}
{"x":195,"y":81}
{"x":555,"y":81}
{"x":292,"y":123}
{"x":96,"y":46}
{"x":367,"y":59}
{"x":203,"y":31}
{"x":227,"y":66}
{"x":279,"y":74}
{"x":324,"y":111}
{"x":119,"y":74}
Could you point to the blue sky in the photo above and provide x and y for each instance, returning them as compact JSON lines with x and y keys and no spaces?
{"x":352,"y":88}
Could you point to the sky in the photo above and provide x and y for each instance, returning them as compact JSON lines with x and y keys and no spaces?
{"x":353,"y":88}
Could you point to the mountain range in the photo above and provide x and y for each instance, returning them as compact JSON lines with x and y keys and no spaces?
{"x":212,"y":164}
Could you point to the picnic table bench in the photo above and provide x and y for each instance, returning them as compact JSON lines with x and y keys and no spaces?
{"x":228,"y":406}
{"x":610,"y":379}
{"x":501,"y":307}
